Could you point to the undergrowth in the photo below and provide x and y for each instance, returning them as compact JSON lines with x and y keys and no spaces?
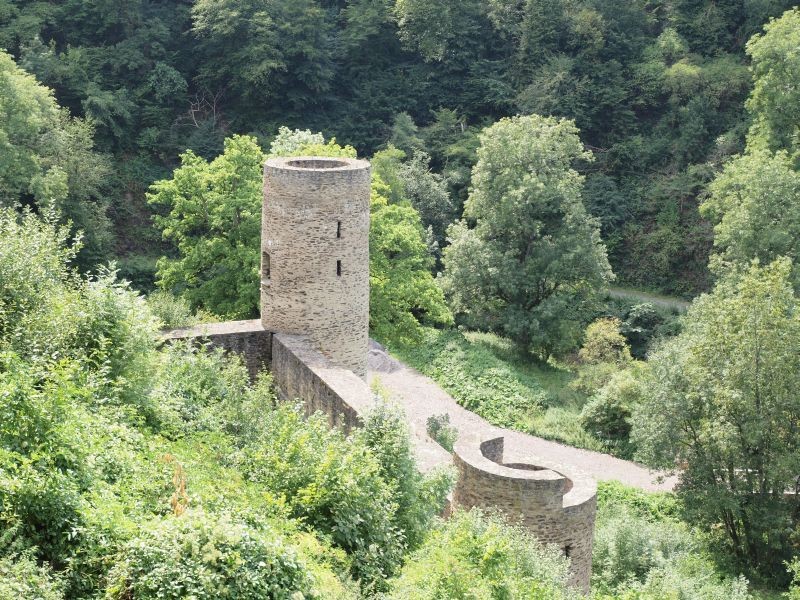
{"x":489,"y":376}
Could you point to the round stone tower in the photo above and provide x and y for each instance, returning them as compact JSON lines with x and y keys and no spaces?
{"x":315,"y":254}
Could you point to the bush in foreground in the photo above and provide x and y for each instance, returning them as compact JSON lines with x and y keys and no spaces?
{"x":200,"y":556}
{"x":479,"y":556}
{"x":21,"y":578}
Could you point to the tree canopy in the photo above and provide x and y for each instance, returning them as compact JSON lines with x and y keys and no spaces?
{"x":721,"y":404}
{"x":533,"y":259}
{"x":48,"y":161}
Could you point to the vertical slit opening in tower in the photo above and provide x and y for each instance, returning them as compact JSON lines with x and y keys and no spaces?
{"x":265,"y":265}
{"x":338,"y":229}
{"x":339,"y":267}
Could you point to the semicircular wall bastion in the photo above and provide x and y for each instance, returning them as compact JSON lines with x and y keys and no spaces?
{"x":557,"y":505}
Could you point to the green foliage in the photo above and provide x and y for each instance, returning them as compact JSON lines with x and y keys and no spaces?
{"x":298,"y":143}
{"x":720,"y":402}
{"x":190,"y":387}
{"x":603,"y":354}
{"x":25,"y":288}
{"x":642,"y":325}
{"x":265,"y":52}
{"x":21,"y":577}
{"x":171,"y":311}
{"x":48,"y":159}
{"x":439,"y":30}
{"x":151,"y":472}
{"x":643,"y":551}
{"x":405,"y":134}
{"x":477,"y":555}
{"x":604,"y":343}
{"x":441,"y":431}
{"x":651,"y":506}
{"x":533,"y":261}
{"x":202,"y":556}
{"x":403,"y":293}
{"x":419,"y":498}
{"x":288,"y":142}
{"x":634,"y":558}
{"x":775,"y":98}
{"x":754,"y":204}
{"x":657,"y":93}
{"x":628,"y":547}
{"x":214,"y":220}
{"x":608,"y":414}
{"x":794,"y":591}
{"x":333,"y":484}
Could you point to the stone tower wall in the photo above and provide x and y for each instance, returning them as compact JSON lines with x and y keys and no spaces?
{"x":315,"y":254}
{"x":557,"y":509}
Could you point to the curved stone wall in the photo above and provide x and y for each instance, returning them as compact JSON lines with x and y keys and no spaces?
{"x":315,"y":254}
{"x":557,"y":506}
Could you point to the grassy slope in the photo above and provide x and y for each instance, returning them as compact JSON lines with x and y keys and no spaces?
{"x":486,"y":374}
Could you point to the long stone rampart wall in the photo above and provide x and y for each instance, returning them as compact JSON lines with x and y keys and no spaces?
{"x":302,"y":373}
{"x":248,"y":339}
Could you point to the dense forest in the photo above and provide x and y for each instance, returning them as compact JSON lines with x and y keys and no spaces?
{"x":657,"y":90}
{"x":527,"y":155}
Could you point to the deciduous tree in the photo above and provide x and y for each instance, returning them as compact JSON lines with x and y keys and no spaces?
{"x":721,"y":404}
{"x":528,"y":259}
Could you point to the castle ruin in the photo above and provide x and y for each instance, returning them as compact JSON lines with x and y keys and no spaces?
{"x":313,"y":336}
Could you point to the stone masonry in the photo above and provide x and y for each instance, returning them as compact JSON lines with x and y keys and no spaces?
{"x":314,"y":336}
{"x":315,"y":254}
{"x":556,"y":508}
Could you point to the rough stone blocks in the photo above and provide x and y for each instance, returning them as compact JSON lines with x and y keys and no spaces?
{"x":556,"y":508}
{"x":315,"y":254}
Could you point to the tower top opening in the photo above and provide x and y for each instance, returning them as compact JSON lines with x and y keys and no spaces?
{"x":316,"y":163}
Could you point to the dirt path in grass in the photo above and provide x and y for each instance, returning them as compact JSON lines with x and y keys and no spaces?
{"x":421,"y":397}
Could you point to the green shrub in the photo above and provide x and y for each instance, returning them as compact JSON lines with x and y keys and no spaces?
{"x":440,"y":430}
{"x":640,"y":326}
{"x":603,"y":343}
{"x":794,"y":590}
{"x":604,"y":353}
{"x":691,"y":578}
{"x":22,"y":579}
{"x":41,"y":503}
{"x":419,"y":498}
{"x":48,"y":313}
{"x":642,"y":552}
{"x":202,"y":556}
{"x":41,"y":461}
{"x":652,"y":506}
{"x":332,"y":483}
{"x":117,"y":335}
{"x":592,"y":377}
{"x":191,"y":385}
{"x":627,"y":548}
{"x":170,"y":310}
{"x":478,"y":556}
{"x":607,"y":414}
{"x":34,"y":259}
